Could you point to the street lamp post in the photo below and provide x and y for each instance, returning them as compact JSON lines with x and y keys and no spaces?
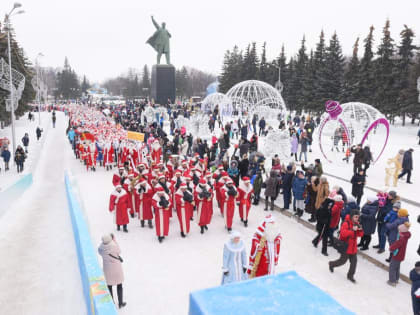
{"x":12,"y":100}
{"x":38,"y":94}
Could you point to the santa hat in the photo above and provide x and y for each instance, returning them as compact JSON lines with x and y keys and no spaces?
{"x":202,"y":161}
{"x":178,"y":172}
{"x":261,"y":228}
{"x":183,"y":185}
{"x":184,"y":162}
{"x":187,"y":177}
{"x":121,"y":168}
{"x":202,"y":181}
{"x":246,"y":179}
{"x":220,"y":166}
{"x":118,"y":186}
{"x":160,"y":176}
{"x":208,"y":174}
{"x":225,"y":174}
{"x":131,"y":175}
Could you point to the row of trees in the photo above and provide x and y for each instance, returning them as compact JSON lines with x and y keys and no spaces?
{"x":385,"y":78}
{"x":21,"y":64}
{"x":189,"y":82}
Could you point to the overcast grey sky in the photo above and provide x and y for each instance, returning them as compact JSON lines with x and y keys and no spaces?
{"x":104,"y":38}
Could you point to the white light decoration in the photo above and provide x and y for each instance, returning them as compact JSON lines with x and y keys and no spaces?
{"x":18,"y":81}
{"x":221,"y":100}
{"x":350,"y":124}
{"x":277,"y":142}
{"x":248,"y":96}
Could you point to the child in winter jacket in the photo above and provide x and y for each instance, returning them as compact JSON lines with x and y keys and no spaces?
{"x":398,"y":249}
{"x":392,"y":227}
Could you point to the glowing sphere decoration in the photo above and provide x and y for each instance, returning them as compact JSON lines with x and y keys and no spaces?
{"x":350,"y":124}
{"x":217,"y":99}
{"x":248,"y":96}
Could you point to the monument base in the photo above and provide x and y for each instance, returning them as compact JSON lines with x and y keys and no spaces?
{"x":163,"y":84}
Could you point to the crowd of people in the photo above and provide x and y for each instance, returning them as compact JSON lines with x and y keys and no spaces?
{"x":184,"y":176}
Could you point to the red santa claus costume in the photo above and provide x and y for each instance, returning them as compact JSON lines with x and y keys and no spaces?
{"x":184,"y":200}
{"x":245,"y":194}
{"x":108,"y":156}
{"x":161,"y":203}
{"x":228,"y":195}
{"x":144,"y":202}
{"x":118,"y":203}
{"x":204,"y":204}
{"x":209,"y":179}
{"x":156,"y":151}
{"x":224,"y":177}
{"x":128,"y":189}
{"x":265,"y":249}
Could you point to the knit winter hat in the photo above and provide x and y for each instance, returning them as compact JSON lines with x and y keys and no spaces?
{"x":403,"y":213}
{"x":396,"y":205}
{"x":338,"y":198}
{"x":106,"y":239}
{"x":402,"y":228}
{"x":392,"y":193}
{"x":417,"y":265}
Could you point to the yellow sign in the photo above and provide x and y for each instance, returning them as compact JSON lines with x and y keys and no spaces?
{"x":132,"y":135}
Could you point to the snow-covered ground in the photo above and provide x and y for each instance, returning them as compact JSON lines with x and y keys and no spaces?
{"x":38,"y":265}
{"x":41,"y":264}
{"x":22,"y":126}
{"x":159,"y":277}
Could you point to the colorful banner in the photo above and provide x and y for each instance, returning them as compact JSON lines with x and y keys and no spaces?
{"x":132,"y":135}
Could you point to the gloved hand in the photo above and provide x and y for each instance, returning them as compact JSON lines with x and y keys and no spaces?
{"x":226,"y":273}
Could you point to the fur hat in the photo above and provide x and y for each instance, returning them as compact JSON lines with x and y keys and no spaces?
{"x":106,"y":239}
{"x":396,"y":205}
{"x":338,"y":198}
{"x":403,"y":213}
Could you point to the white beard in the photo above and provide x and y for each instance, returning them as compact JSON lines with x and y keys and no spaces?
{"x":271,"y":231}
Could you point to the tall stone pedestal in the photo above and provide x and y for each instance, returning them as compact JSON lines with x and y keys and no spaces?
{"x":163,"y":84}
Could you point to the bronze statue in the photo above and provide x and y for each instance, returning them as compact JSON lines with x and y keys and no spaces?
{"x":160,"y":41}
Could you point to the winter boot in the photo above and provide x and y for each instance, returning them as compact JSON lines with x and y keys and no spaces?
{"x":206,"y":227}
{"x":182,"y":234}
{"x":118,"y":227}
{"x":160,"y":239}
{"x":351,"y":279}
{"x":266,"y":205}
{"x":376,"y":246}
{"x":120,"y":296}
{"x":202,"y":229}
{"x":246,"y":223}
{"x":142,"y":223}
{"x":330,"y":267}
{"x":312,"y":218}
{"x":389,"y":258}
{"x":132,"y":214}
{"x":229,"y":229}
{"x":242,"y":220}
{"x":125,"y":228}
{"x":150,"y":224}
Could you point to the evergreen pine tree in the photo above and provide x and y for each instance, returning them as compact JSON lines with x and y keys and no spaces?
{"x":367,"y":75}
{"x":263,"y":71}
{"x":333,"y":72}
{"x":309,"y":85}
{"x":408,"y":72}
{"x":350,"y":91}
{"x":385,"y":96}
{"x":145,"y":82}
{"x":318,"y":66}
{"x":299,"y":77}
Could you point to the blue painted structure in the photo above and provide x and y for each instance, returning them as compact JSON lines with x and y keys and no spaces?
{"x":97,"y":297}
{"x":286,"y":294}
{"x":12,"y":193}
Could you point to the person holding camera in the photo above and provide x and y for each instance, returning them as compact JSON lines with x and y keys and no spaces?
{"x":349,"y":232}
{"x":112,"y":266}
{"x":161,"y":203}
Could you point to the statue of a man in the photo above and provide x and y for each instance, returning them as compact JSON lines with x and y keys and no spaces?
{"x":160,"y":41}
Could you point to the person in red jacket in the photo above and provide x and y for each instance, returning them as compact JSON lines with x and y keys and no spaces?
{"x":228,"y":194}
{"x":204,"y":201}
{"x":144,"y":202}
{"x":335,"y":217}
{"x":161,"y":203}
{"x":349,"y":232}
{"x":116,"y":179}
{"x":398,"y":249}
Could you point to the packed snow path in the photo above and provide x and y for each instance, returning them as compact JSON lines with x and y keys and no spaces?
{"x":39,"y":269}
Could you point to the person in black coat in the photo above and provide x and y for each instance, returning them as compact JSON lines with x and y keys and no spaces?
{"x":415,"y":286}
{"x":243,"y":166}
{"x":25,"y":141}
{"x":407,"y":165}
{"x":367,"y":156}
{"x":368,"y":221}
{"x":287,"y":180}
{"x":358,"y":182}
{"x":323,"y":217}
{"x":261,"y":124}
{"x":359,"y":158}
{"x":392,"y":201}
